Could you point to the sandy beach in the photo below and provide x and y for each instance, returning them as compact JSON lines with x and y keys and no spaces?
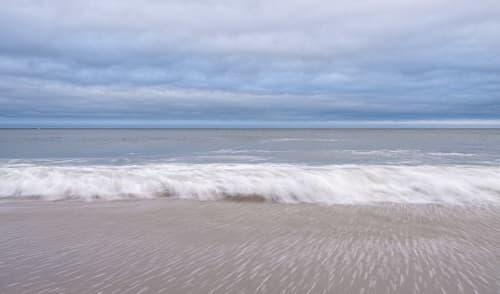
{"x":175,"y":246}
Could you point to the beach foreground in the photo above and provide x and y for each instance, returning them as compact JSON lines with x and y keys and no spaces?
{"x":175,"y":246}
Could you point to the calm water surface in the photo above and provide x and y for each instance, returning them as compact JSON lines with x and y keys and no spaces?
{"x":329,"y":146}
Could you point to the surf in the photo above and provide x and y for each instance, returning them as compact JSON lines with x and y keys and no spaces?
{"x":281,"y":183}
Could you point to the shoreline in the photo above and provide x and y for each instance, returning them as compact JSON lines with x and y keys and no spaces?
{"x":179,"y":246}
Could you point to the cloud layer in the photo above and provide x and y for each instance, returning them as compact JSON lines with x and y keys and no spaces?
{"x":230,"y":62}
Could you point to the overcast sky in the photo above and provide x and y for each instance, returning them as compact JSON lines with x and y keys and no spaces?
{"x":249,"y":63}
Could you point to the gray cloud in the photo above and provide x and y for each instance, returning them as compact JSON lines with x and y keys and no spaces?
{"x":249,"y":61}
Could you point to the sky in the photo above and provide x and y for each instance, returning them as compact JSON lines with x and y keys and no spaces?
{"x":238,"y":63}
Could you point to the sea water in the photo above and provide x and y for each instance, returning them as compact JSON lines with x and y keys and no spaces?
{"x":326,"y":166}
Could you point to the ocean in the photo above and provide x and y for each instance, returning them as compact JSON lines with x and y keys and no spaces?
{"x":324,"y":166}
{"x":250,"y":211}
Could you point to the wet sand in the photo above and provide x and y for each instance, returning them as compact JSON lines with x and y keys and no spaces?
{"x":172,"y":246}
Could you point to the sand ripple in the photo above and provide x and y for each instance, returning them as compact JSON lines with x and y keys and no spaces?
{"x":168,"y":246}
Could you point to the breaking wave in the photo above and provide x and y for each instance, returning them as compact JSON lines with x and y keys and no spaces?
{"x":333,"y":184}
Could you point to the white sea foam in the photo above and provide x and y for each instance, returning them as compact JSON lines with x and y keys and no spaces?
{"x":334,"y":184}
{"x":455,"y":154}
{"x":304,"y":140}
{"x":232,"y":157}
{"x":382,"y":152}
